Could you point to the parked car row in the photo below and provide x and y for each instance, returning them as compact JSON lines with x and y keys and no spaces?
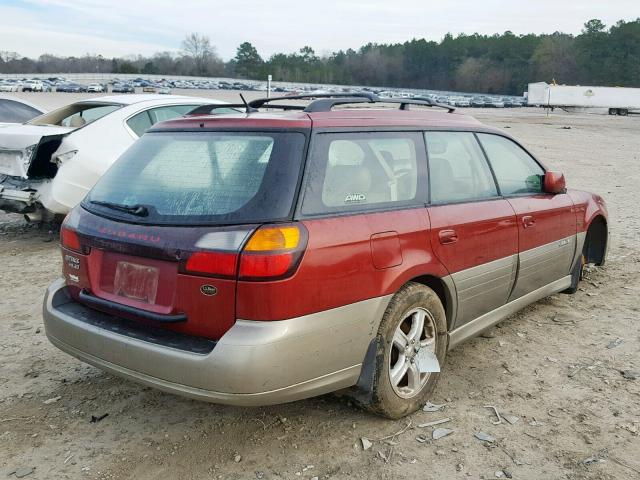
{"x":481,"y":101}
{"x":455,"y":100}
{"x":26,"y":85}
{"x":165,"y":85}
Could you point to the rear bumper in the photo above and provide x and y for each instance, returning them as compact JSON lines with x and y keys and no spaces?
{"x":254,"y":363}
{"x":17,"y":201}
{"x":18,"y":195}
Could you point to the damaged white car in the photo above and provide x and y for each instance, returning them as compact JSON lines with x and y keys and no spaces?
{"x":48,"y":164}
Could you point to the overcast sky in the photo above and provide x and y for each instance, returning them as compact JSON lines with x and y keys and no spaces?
{"x":123,"y":27}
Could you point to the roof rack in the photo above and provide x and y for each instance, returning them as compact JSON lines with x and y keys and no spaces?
{"x":322,"y":102}
{"x":208,"y":109}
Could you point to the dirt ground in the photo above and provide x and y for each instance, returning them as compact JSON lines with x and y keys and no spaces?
{"x":557,"y":366}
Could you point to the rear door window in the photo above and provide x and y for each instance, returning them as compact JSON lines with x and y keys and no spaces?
{"x":204,"y":177}
{"x":516,"y":171}
{"x":364,"y":171}
{"x":458,"y":171}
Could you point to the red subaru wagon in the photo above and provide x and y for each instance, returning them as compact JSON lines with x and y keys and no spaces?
{"x":299,"y":249}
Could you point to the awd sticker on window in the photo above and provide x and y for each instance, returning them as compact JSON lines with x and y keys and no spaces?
{"x":355,"y":198}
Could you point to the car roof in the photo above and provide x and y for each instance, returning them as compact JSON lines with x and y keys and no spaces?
{"x":340,"y":118}
{"x":130,"y":99}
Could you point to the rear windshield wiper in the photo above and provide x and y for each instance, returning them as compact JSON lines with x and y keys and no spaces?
{"x":138,"y":210}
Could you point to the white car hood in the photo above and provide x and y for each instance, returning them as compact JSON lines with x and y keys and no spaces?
{"x":15,"y":140}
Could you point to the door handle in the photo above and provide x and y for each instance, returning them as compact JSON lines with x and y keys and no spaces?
{"x":528,"y":221}
{"x":447,"y":237}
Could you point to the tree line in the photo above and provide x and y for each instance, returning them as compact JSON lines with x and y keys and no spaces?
{"x":501,"y":63}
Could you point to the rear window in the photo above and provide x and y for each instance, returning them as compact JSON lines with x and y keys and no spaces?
{"x":77,"y":114}
{"x":203,"y":178}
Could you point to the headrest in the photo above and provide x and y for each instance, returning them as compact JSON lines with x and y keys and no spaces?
{"x":436,"y":146}
{"x":440,"y":167}
{"x":350,"y":178}
{"x":77,"y":121}
{"x":344,"y":183}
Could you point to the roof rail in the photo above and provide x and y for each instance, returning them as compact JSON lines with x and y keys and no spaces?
{"x":259,"y":103}
{"x":209,"y":108}
{"x":424,"y":101}
{"x":322,"y":102}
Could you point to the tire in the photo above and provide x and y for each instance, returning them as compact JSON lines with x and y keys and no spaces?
{"x":623,"y":112}
{"x":613,"y":111}
{"x":403,"y":312}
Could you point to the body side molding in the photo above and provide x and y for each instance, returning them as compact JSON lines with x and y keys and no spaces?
{"x":487,"y":320}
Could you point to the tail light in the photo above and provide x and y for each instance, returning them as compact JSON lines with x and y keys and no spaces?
{"x":270,"y":253}
{"x":217,"y":264}
{"x":273,"y":252}
{"x":69,"y":239}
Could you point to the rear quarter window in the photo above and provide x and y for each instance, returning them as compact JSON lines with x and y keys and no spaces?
{"x":364,"y":171}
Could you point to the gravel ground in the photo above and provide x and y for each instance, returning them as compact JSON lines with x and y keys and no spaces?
{"x":555,"y":366}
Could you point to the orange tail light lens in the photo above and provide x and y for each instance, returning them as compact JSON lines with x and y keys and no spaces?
{"x":273,"y":252}
{"x":273,"y":238}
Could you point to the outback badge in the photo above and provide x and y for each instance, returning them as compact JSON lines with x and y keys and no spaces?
{"x":208,"y":290}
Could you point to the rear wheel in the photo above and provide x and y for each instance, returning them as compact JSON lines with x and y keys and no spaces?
{"x":623,"y":112}
{"x":411,"y":340}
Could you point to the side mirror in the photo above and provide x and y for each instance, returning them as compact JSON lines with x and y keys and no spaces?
{"x":554,"y":183}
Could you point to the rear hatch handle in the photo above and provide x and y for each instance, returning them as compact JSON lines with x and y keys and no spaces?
{"x":101,"y":303}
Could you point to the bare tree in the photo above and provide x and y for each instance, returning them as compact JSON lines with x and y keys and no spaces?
{"x":7,"y":56}
{"x":198,"y":48}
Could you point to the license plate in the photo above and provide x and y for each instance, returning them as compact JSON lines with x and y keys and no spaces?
{"x":138,"y":282}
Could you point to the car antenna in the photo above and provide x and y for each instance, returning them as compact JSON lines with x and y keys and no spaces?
{"x":246,"y":104}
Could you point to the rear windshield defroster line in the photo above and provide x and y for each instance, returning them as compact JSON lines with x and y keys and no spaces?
{"x":203,"y":178}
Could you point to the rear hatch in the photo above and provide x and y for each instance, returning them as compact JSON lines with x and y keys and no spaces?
{"x":20,"y":145}
{"x":158,"y":239}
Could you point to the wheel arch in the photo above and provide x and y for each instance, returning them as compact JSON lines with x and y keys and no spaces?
{"x":597,"y":240}
{"x":445,"y":289}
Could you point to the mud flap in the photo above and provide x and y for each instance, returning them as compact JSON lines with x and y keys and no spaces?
{"x":363,"y":391}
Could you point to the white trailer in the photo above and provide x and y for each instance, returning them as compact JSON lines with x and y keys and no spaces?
{"x":611,"y":100}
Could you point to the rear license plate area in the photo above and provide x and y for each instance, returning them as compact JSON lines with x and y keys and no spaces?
{"x":137,"y":282}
